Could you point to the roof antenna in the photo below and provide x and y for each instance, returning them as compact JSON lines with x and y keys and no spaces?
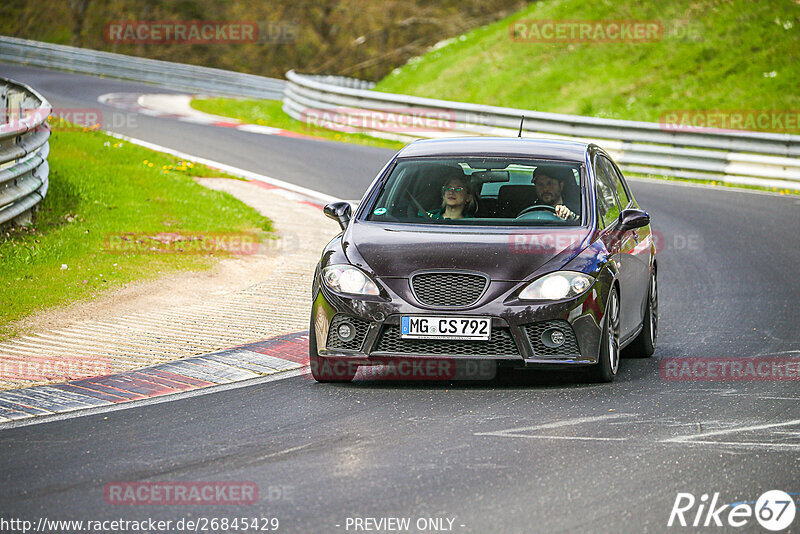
{"x":521,"y":122}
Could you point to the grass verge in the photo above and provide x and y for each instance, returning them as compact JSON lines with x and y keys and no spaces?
{"x":269,"y":113}
{"x":115,"y":212}
{"x":713,"y":55}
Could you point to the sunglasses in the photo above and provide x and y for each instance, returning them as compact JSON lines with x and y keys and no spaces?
{"x":453,"y":189}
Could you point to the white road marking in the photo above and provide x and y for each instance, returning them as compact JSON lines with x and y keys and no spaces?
{"x":737,"y":429}
{"x":181,"y":105}
{"x":762,"y":397}
{"x":758,"y":445}
{"x":575,"y":438}
{"x":316,"y":195}
{"x":733,"y":392}
{"x":697,"y":439}
{"x":259,"y":129}
{"x":523,"y":432}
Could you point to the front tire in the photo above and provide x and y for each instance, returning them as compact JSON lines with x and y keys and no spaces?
{"x":606,"y":369}
{"x":327,"y":369}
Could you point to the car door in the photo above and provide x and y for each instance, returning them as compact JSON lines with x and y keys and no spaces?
{"x":641,"y":257}
{"x":621,"y":244}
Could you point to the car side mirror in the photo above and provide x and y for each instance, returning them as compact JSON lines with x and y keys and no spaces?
{"x":632,"y":218}
{"x":339,"y":212}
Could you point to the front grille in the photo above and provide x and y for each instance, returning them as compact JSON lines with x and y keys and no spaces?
{"x":361,"y":327}
{"x":568,"y":348}
{"x":500,"y":344}
{"x":448,"y":289}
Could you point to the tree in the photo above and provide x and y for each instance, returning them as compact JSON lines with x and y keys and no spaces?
{"x":78,"y":10}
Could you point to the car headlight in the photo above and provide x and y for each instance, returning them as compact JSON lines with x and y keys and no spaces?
{"x":556,"y":286}
{"x":348,"y":279}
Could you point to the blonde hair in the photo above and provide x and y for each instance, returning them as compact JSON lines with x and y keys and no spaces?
{"x":470,"y":201}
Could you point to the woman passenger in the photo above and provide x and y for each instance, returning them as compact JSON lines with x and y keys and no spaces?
{"x":457,"y":201}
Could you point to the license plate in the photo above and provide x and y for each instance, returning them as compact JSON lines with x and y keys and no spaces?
{"x":440,"y":327}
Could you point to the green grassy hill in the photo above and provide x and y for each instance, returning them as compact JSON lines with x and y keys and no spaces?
{"x":714,"y":55}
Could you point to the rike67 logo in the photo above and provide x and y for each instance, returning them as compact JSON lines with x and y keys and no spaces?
{"x":774,"y":510}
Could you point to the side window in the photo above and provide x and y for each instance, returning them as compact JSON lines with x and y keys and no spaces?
{"x":622,"y":195}
{"x":607,"y":208}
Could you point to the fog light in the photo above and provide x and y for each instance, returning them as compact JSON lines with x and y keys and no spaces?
{"x":553,"y":337}
{"x":346,"y":332}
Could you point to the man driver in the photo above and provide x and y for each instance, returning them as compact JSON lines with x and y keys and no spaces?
{"x":549,"y":182}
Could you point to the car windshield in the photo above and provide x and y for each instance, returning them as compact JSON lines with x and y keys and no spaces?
{"x":480,"y":192}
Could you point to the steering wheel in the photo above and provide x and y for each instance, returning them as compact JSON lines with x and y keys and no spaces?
{"x":538,"y":207}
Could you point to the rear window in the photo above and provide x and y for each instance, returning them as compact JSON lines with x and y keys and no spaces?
{"x":481,"y":191}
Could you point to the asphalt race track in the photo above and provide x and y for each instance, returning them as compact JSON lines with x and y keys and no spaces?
{"x":317,"y":165}
{"x":520,"y":453}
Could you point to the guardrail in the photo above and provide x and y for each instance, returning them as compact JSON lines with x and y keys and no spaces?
{"x":172,"y":75}
{"x":23,"y":150}
{"x":741,"y":157}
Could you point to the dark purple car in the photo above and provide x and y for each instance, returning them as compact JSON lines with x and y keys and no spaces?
{"x":520,"y":252}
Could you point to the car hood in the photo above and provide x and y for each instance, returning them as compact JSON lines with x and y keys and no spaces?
{"x":502,"y":253}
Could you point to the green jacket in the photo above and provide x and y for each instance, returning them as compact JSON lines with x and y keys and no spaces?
{"x":439,"y":214}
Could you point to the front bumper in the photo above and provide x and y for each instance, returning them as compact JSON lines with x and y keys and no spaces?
{"x":521,"y":332}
